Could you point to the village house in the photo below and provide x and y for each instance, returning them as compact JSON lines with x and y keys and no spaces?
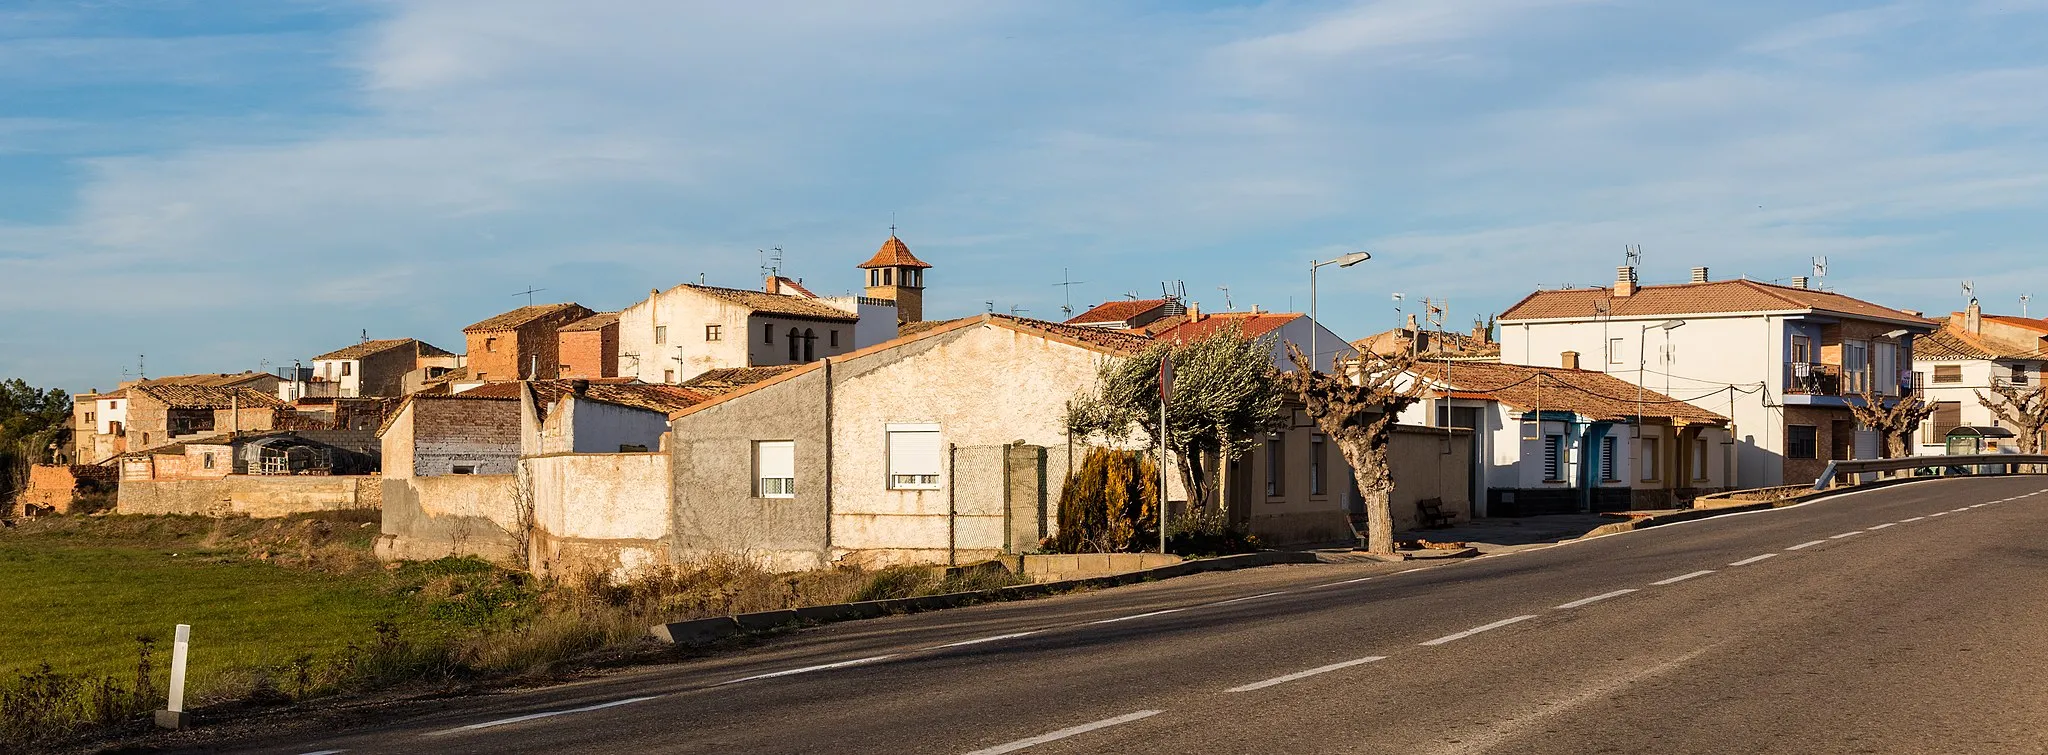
{"x":1556,"y":440}
{"x":1278,"y":329}
{"x":1477,"y":346}
{"x":1962,"y":362}
{"x":1132,"y":314}
{"x":1783,"y":362}
{"x":590,"y":347}
{"x":521,"y":344}
{"x":897,"y":276}
{"x":161,"y":411}
{"x":379,"y":367}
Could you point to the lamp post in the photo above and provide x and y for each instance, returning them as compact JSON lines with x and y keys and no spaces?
{"x":1642,"y":362}
{"x":1315,"y":324}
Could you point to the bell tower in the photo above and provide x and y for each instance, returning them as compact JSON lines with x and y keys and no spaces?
{"x":897,"y":275}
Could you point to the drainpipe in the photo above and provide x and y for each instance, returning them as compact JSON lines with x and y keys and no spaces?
{"x":827,"y":552}
{"x":952,"y":507}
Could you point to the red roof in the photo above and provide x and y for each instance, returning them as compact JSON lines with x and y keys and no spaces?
{"x":1730,"y":296}
{"x":1251,"y":325}
{"x":1116,"y":311}
{"x":894,"y":253}
{"x":2030,"y":323}
{"x":794,"y":286}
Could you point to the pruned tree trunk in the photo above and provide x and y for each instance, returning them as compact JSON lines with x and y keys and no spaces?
{"x":1356,"y":410}
{"x":1375,"y":491}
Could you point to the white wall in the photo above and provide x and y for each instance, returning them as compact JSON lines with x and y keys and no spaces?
{"x":686,"y":353}
{"x":601,"y":428}
{"x":107,"y":411}
{"x":350,"y":385}
{"x":1978,"y":375}
{"x":1297,"y":332}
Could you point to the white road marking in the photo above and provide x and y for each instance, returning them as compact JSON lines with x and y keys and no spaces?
{"x":1938,"y":513}
{"x":1977,"y":506}
{"x":1350,"y":581}
{"x":1882,"y":526}
{"x":533,"y":716}
{"x":808,"y":669}
{"x":977,"y":641}
{"x":1845,"y":534}
{"x":1248,"y":597}
{"x":1807,"y":544}
{"x":1597,"y":598}
{"x":1476,"y":630}
{"x":1138,"y":616}
{"x":1683,"y":577}
{"x":1958,"y":511}
{"x":1306,"y":674}
{"x":1914,"y":519}
{"x":1753,"y":559}
{"x":1066,"y":732}
{"x":324,"y":752}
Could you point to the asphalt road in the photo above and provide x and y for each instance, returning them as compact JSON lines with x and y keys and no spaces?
{"x":1900,"y":620}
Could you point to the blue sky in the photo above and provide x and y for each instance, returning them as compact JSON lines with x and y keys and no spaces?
{"x":223,"y":184}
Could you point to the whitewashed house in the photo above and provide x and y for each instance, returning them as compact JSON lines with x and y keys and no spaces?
{"x":1972,"y":353}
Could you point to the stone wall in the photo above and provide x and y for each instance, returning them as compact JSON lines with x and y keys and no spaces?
{"x":599,"y":513}
{"x":257,"y":496}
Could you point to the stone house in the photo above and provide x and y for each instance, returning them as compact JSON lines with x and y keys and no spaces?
{"x":522,"y":344}
{"x":1552,"y":440}
{"x":1782,"y":362}
{"x":590,"y":347}
{"x":1965,"y":359}
{"x":1130,"y":314}
{"x":377,"y":368}
{"x":100,"y":424}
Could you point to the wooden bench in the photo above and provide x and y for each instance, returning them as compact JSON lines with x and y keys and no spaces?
{"x":1433,"y":514}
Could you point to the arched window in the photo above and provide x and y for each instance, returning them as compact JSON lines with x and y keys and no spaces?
{"x":810,"y":341}
{"x":796,"y":345}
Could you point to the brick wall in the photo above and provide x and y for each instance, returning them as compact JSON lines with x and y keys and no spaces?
{"x":517,"y":349}
{"x":1824,"y":420}
{"x":481,"y":433}
{"x":57,"y":487}
{"x":590,"y":353}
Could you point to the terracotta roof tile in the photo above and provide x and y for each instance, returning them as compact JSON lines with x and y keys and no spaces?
{"x":1115,"y":341}
{"x":913,"y":328}
{"x":894,"y":253}
{"x":777,"y":304}
{"x":1593,"y":395}
{"x":722,"y":381}
{"x":206,"y":396}
{"x":793,"y":285}
{"x":366,"y":348}
{"x":1251,"y":325}
{"x":212,"y":379}
{"x":518,"y":317}
{"x":1696,"y":298}
{"x":1117,"y":311}
{"x":1952,"y":343}
{"x":598,"y":321}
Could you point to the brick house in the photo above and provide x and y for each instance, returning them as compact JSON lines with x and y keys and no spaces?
{"x":1783,"y":362}
{"x":589,"y":347}
{"x":523,"y":343}
{"x":377,"y":368}
{"x":160,"y":411}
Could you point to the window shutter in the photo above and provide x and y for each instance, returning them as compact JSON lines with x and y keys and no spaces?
{"x":775,"y":465}
{"x":914,"y":456}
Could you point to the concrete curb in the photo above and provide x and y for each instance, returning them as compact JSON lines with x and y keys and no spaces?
{"x":1689,"y":515}
{"x":707,"y":631}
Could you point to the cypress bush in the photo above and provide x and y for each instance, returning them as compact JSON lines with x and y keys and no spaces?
{"x":1108,"y":504}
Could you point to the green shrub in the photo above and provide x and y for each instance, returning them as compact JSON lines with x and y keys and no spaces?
{"x":1108,"y":504}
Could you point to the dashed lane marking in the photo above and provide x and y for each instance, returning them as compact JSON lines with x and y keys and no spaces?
{"x":1683,"y":577}
{"x":1807,"y":544}
{"x":1597,"y":598}
{"x":1845,"y":534}
{"x":1306,"y":674}
{"x":808,"y":669}
{"x":1066,"y":732}
{"x":1476,"y":630}
{"x":1345,"y":582}
{"x":1753,"y":559}
{"x":979,"y":640}
{"x":1245,"y":598}
{"x":1914,"y":519}
{"x":536,"y":716}
{"x":1138,"y":616}
{"x":1938,"y":513}
{"x":1882,"y":526}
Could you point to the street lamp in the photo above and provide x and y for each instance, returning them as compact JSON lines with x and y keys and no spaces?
{"x":1642,"y":363}
{"x":1315,"y":324}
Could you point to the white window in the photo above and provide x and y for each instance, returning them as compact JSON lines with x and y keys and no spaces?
{"x":661,"y":334}
{"x":914,"y":461}
{"x":1614,"y":351}
{"x":775,"y":468}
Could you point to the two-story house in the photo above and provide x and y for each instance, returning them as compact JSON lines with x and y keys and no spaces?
{"x":1783,"y":362}
{"x":377,"y":368}
{"x":1971,"y":354}
{"x":522,"y":344}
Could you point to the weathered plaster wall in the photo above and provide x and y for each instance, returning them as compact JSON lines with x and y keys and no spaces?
{"x":1427,"y":464}
{"x":450,"y":515}
{"x":716,"y":509}
{"x":259,"y":497}
{"x":600,"y":512}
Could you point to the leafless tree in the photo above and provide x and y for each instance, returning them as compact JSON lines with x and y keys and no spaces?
{"x":1356,"y":408}
{"x":2025,"y":410}
{"x":1894,"y":423}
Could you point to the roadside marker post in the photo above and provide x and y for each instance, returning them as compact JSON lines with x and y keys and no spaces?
{"x":173,"y":716}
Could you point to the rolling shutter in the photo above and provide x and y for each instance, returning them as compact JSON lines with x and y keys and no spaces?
{"x":775,"y":462}
{"x":914,"y":459}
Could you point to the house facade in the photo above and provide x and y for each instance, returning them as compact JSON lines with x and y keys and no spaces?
{"x":1551,"y":440}
{"x":376,"y":368}
{"x":1129,"y":314}
{"x":163,"y":411}
{"x":1783,"y":362}
{"x":1278,"y":328}
{"x":1964,"y":361}
{"x":524,"y":343}
{"x":675,"y":335}
{"x":589,"y":347}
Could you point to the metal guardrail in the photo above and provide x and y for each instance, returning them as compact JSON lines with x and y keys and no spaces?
{"x":1933,"y":466}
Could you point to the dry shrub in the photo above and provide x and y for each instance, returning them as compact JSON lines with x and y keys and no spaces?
{"x":1107,"y":504}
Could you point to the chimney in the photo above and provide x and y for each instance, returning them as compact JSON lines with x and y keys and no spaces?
{"x":1625,"y":281}
{"x":774,"y":285}
{"x":1481,"y":334}
{"x":1571,"y":360}
{"x":1411,"y":324}
{"x":1973,"y":319}
{"x":1255,"y":309}
{"x":1194,"y":311}
{"x":1799,"y":281}
{"x":579,"y":387}
{"x":1699,"y":275}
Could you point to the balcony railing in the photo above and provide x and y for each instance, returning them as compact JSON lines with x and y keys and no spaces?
{"x":1816,"y":379}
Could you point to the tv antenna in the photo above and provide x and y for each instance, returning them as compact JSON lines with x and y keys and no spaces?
{"x":2024,"y":298}
{"x":528,"y":293}
{"x":991,"y":306}
{"x":1017,"y":311}
{"x":1067,"y":285}
{"x":1820,"y":268}
{"x":1433,"y":310}
{"x":1632,"y":255}
{"x":1227,"y":307}
{"x":771,"y":258}
{"x":366,"y":334}
{"x":1970,"y":290}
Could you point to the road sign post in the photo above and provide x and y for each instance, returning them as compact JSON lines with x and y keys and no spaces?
{"x":173,"y":716}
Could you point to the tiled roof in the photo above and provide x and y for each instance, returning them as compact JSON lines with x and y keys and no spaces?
{"x":894,"y":253}
{"x":1251,"y":325}
{"x":598,"y":321}
{"x":1114,"y":341}
{"x":1593,"y":395}
{"x":367,"y":348}
{"x":776,"y":304}
{"x":518,"y":317}
{"x":722,"y":381}
{"x":1436,"y":343}
{"x":913,"y":328}
{"x":2030,"y":323}
{"x":211,"y":379}
{"x":1952,"y":343}
{"x":660,"y":398}
{"x":792,"y":285}
{"x":1696,"y":298}
{"x":206,"y":396}
{"x":1116,"y":311}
